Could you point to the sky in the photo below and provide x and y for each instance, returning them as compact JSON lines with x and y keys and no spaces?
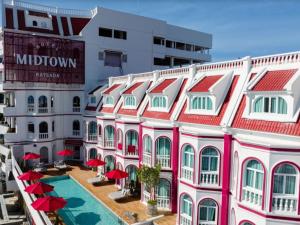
{"x":239,"y":27}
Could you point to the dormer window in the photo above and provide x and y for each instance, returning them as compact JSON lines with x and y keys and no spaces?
{"x":93,"y":100}
{"x":201,"y":103}
{"x":159,"y":102}
{"x":109,"y":100}
{"x":275,"y":105}
{"x":34,"y":23}
{"x":130,"y":101}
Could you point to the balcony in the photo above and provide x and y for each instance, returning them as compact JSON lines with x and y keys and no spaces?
{"x":76,"y":109}
{"x":30,"y":108}
{"x":163,"y":160}
{"x":252,"y":196}
{"x":209,"y":177}
{"x":187,"y":173}
{"x":185,"y":219}
{"x":109,"y":143}
{"x":76,"y":132}
{"x":43,"y":110}
{"x":92,"y":137}
{"x":285,"y":204}
{"x":132,"y":150}
{"x":147,"y":159}
{"x":43,"y":135}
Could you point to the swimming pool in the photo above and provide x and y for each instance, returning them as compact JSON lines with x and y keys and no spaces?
{"x":82,"y":208}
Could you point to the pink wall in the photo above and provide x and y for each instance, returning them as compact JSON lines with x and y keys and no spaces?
{"x":175,"y":158}
{"x":140,"y":144}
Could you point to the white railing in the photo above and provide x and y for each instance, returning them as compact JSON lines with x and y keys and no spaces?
{"x":163,"y":160}
{"x":147,"y":159}
{"x":109,"y":143}
{"x":163,"y":202}
{"x":207,"y":223}
{"x":30,"y":108}
{"x":43,"y":135}
{"x":92,"y":137}
{"x":146,"y":196}
{"x":185,"y":219}
{"x":252,"y":196}
{"x":43,"y":110}
{"x":76,"y":109}
{"x":133,"y":153}
{"x":209,"y":177}
{"x":76,"y":132}
{"x":49,"y":9}
{"x":284,"y":203}
{"x":187,"y":173}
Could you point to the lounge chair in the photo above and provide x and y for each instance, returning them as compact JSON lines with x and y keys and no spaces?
{"x":60,"y":165}
{"x":40,"y":167}
{"x":119,"y":194}
{"x":96,"y":180}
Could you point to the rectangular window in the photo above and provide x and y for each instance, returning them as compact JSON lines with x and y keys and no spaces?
{"x":273,"y":105}
{"x":162,"y":62}
{"x":119,"y":34}
{"x":105,"y":32}
{"x":180,"y":45}
{"x":188,"y":47}
{"x":113,"y":59}
{"x":93,"y":99}
{"x":30,"y":128}
{"x":169,"y":44}
{"x":158,"y":41}
{"x":266,"y":104}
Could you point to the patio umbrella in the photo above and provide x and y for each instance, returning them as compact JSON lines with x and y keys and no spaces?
{"x":30,"y":175}
{"x":31,"y":156}
{"x":39,"y":188}
{"x":95,"y":162}
{"x":49,"y":203}
{"x":116,"y":174}
{"x":65,"y":152}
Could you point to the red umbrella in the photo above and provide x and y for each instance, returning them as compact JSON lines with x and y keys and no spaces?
{"x":65,"y":152}
{"x":116,"y":174}
{"x":39,"y":188}
{"x":31,"y":156}
{"x":95,"y":162}
{"x":49,"y":203}
{"x":30,"y":175}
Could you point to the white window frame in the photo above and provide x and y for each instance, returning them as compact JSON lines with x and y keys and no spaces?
{"x":109,"y":103}
{"x":160,"y":107}
{"x":132,"y":100}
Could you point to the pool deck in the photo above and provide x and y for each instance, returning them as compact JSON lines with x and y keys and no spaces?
{"x":81,"y":174}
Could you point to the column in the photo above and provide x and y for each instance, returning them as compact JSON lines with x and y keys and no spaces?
{"x":175,"y":164}
{"x":226,"y":179}
{"x":140,"y":144}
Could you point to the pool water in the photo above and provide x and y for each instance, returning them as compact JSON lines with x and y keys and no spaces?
{"x":82,"y":208}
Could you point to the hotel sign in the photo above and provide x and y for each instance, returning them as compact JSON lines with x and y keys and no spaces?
{"x":31,"y":58}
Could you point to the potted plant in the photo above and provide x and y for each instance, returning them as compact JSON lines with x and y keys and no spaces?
{"x":149,"y":176}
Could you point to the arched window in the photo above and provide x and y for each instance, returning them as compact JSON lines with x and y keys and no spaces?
{"x":186,"y":211}
{"x":208,"y":212}
{"x":209,"y":166}
{"x":202,"y":103}
{"x":110,"y":163}
{"x":274,"y":104}
{"x":76,"y":128}
{"x":187,"y":171}
{"x":253,"y":182}
{"x":247,"y":223}
{"x":258,"y":105}
{"x":285,"y":185}
{"x":109,"y":136}
{"x":76,"y":104}
{"x":132,"y":175}
{"x":130,"y":101}
{"x":34,"y":23}
{"x":109,"y":100}
{"x":147,"y":150}
{"x":30,"y":104}
{"x":43,"y":104}
{"x":43,"y":127}
{"x":131,"y":142}
{"x":163,"y":149}
{"x":159,"y":102}
{"x":92,"y":131}
{"x":163,"y":193}
{"x":93,"y":153}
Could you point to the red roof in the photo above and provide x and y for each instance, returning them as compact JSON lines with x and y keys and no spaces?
{"x":162,"y":86}
{"x":110,"y":89}
{"x":262,"y":125}
{"x":107,"y":109}
{"x":209,"y":119}
{"x":164,"y":115}
{"x":132,"y":88}
{"x":274,"y":80}
{"x":204,"y":84}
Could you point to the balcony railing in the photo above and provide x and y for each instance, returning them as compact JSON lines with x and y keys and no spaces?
{"x":43,"y":135}
{"x":252,"y":196}
{"x":185,"y":219}
{"x":207,"y":223}
{"x":92,"y":137}
{"x":187,"y":173}
{"x":76,"y":109}
{"x":209,"y":177}
{"x":109,"y":143}
{"x":163,"y":160}
{"x":163,"y":202}
{"x":146,"y":196}
{"x":76,"y":132}
{"x":132,"y":150}
{"x":43,"y":110}
{"x":30,"y":108}
{"x":147,"y":159}
{"x":284,"y":203}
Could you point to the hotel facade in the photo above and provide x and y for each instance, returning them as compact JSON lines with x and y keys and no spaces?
{"x":226,"y":134}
